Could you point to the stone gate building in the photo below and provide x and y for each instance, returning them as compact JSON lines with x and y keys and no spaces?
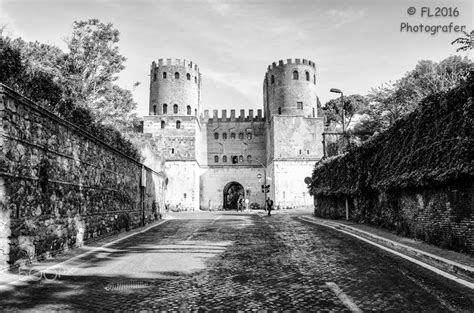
{"x":208,"y":157}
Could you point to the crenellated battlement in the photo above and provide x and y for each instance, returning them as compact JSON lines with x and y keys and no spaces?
{"x":290,"y":62}
{"x":242,"y":116}
{"x":175,"y":62}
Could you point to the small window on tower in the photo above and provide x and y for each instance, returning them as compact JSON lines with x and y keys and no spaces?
{"x":175,"y":109}
{"x":164,"y":75}
{"x":154,"y":109}
{"x":249,"y":158}
{"x":232,"y":135}
{"x":279,"y":111}
{"x":195,"y":79}
{"x":272,"y":79}
{"x":249,"y":136}
{"x":295,"y":75}
{"x":224,"y":159}
{"x":188,"y":110}
{"x":154,"y":77}
{"x":216,"y":159}
{"x":307,"y":76}
{"x":172,"y":150}
{"x":314,"y":112}
{"x":188,"y":76}
{"x":216,"y":136}
{"x":241,"y":159}
{"x":178,"y":124}
{"x":163,"y":124}
{"x":241,"y":135}
{"x":176,"y":75}
{"x":235,"y":159}
{"x":165,"y":108}
{"x":314,"y":79}
{"x":299,"y":105}
{"x":224,"y":136}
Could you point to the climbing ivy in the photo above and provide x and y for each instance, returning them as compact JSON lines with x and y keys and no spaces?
{"x":432,"y":146}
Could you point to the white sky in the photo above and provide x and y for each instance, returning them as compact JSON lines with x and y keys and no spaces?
{"x":356,"y":45}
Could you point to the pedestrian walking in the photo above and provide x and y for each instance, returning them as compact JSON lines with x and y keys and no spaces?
{"x":269,"y":206}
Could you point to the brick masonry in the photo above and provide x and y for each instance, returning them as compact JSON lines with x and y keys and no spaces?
{"x":60,"y":187}
{"x":442,"y":216}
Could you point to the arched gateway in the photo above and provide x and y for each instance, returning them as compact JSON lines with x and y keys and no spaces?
{"x":231,"y":193}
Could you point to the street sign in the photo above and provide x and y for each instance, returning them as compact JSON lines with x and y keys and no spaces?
{"x":307,"y":180}
{"x":259,"y":176}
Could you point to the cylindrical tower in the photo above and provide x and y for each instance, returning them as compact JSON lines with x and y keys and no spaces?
{"x":175,"y":88}
{"x":289,"y":89}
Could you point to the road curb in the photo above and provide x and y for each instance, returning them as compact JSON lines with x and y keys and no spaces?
{"x":461,"y":271}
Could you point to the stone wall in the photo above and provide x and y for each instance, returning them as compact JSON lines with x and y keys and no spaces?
{"x":296,"y":138}
{"x":214,"y":179}
{"x":442,"y":216}
{"x":183,"y":91}
{"x":282,"y":90}
{"x":242,"y":139}
{"x":61,"y":187}
{"x":287,"y":186}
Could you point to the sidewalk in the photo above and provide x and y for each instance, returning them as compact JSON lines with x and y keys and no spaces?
{"x":456,"y":264}
{"x":32,"y":271}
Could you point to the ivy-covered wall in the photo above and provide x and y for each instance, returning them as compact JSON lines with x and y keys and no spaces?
{"x":416,"y":178}
{"x":60,"y":186}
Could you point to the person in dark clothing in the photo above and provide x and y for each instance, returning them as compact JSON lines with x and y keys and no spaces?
{"x":269,"y":206}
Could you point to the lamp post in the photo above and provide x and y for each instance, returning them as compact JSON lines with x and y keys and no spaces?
{"x":264,"y":183}
{"x":335,"y":90}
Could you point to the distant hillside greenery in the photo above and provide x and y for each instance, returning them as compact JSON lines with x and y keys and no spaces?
{"x":78,"y":85}
{"x":430,"y":146}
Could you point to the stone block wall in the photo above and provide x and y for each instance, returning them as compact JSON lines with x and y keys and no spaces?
{"x":60,"y":186}
{"x":287,"y":186}
{"x":242,"y":139}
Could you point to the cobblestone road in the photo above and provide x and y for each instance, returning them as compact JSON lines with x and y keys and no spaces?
{"x":239,"y":261}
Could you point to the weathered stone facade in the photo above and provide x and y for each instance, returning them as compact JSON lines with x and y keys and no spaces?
{"x":60,"y":186}
{"x":208,"y":154}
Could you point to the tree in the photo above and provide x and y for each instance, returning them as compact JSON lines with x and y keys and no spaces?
{"x":93,"y":65}
{"x":353,"y":104}
{"x":77,"y":85}
{"x":23,"y":68}
{"x":93,"y":62}
{"x":114,"y":108}
{"x":466,"y":42}
{"x":391,"y":101}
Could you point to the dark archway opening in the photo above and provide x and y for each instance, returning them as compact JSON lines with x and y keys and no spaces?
{"x":232,"y":192}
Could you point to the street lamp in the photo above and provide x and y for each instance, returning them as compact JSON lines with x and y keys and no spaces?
{"x":335,"y":90}
{"x":264,"y":182}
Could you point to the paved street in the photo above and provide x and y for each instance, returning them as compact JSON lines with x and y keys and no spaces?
{"x":239,"y":261}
